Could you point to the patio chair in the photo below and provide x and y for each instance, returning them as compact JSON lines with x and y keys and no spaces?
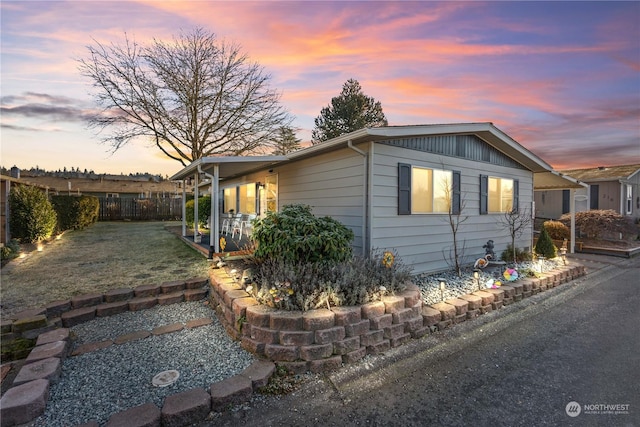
{"x":238,"y":223}
{"x":226,"y":223}
{"x":247,"y":226}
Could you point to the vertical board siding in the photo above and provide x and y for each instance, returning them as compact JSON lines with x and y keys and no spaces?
{"x":117,"y":209}
{"x":423,"y":241}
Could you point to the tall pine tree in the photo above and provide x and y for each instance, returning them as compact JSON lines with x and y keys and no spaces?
{"x":285,"y":141}
{"x":350,"y":111}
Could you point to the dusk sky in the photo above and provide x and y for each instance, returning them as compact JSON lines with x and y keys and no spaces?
{"x":561,"y":78}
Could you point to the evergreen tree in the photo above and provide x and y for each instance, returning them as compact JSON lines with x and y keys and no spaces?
{"x":545,"y":246}
{"x":285,"y":141}
{"x":350,"y":111}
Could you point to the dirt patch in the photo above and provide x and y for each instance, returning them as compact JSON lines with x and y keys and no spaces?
{"x":107,"y":255}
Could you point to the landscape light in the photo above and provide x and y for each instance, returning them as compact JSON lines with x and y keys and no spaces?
{"x":442,"y":287}
{"x":476,"y":276}
{"x":40,"y":247}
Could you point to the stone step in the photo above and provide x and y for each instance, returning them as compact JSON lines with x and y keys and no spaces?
{"x":23,"y":403}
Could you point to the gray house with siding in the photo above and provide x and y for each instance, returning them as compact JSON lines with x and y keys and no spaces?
{"x":393,"y":187}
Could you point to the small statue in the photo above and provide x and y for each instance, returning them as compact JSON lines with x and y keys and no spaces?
{"x":488,"y":250}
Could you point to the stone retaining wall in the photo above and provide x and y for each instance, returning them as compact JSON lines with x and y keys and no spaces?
{"x":321,"y":340}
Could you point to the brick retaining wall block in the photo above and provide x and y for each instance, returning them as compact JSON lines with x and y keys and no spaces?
{"x":318,"y":319}
{"x":185,"y":408}
{"x":346,"y":346}
{"x":447,"y":311}
{"x":240,"y":305}
{"x":88,"y":300}
{"x":56,"y":308}
{"x":170,"y":298}
{"x":147,"y":415}
{"x":195,"y":283}
{"x":487,"y":297}
{"x":359,"y":328}
{"x":171,"y":287}
{"x":347,"y":315}
{"x":371,"y":338}
{"x":381,"y":322}
{"x":77,"y":316}
{"x":327,"y":336}
{"x":259,"y":373}
{"x":111,"y":308}
{"x":286,"y":320}
{"x":236,"y":389}
{"x":146,"y":291}
{"x":392,"y":303}
{"x":46,"y":369}
{"x":403,"y":315}
{"x":379,"y":348}
{"x":23,"y":403}
{"x":316,"y":352}
{"x":53,"y":349}
{"x":121,"y":294}
{"x":296,"y":338}
{"x":430,"y":316}
{"x":281,"y":353}
{"x":474,"y":302}
{"x":61,"y":334}
{"x":142,"y":303}
{"x":252,"y":345}
{"x":230,"y":296}
{"x":411,"y":295}
{"x":268,"y":336}
{"x":295,"y":368}
{"x":259,"y":315}
{"x":28,"y":323}
{"x":373,"y":309}
{"x":195,"y":294}
{"x":325,"y":365}
{"x":355,"y":355}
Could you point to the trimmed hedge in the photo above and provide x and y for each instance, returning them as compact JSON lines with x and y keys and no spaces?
{"x":33,"y":218}
{"x":76,"y":212}
{"x":204,"y":210}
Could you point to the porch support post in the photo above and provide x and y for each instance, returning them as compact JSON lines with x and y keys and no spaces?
{"x":572,"y":211}
{"x":184,"y":208}
{"x":196,"y":236}
{"x":215,"y":210}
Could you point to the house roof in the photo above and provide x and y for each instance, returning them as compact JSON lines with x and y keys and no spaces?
{"x":604,"y":173}
{"x":234,"y":166}
{"x":88,"y":185}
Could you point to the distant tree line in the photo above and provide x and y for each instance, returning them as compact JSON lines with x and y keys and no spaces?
{"x":85,"y":174}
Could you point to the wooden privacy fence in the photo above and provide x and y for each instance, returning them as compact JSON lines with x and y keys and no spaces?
{"x":161,"y":209}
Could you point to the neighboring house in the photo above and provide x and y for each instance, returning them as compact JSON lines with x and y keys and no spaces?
{"x":391,"y":186}
{"x":116,"y":188}
{"x":609,"y":187}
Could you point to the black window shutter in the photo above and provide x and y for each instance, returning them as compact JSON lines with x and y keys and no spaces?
{"x":484,"y":194}
{"x":516,"y":195}
{"x":404,"y":189}
{"x":455,"y":199}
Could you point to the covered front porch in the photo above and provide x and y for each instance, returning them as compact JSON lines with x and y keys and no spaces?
{"x":205,"y":175}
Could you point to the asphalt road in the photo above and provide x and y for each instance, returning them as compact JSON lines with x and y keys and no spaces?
{"x":522,"y":365}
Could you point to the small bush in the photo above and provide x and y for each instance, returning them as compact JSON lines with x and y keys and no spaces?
{"x":545,"y":246}
{"x":204,"y":211}
{"x":521,"y":255}
{"x":307,"y":285}
{"x":11,"y":250}
{"x":76,"y":212}
{"x":295,"y":235}
{"x":595,"y":223}
{"x":557,"y":230}
{"x":32,"y":215}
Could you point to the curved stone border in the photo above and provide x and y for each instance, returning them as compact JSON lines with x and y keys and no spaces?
{"x":322,"y":340}
{"x":26,"y":399}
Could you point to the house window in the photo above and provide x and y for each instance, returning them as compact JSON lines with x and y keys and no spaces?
{"x":423,"y":190}
{"x":629,"y":199}
{"x":247,"y":198}
{"x":498,"y":195}
{"x":113,"y":195}
{"x":229,"y":200}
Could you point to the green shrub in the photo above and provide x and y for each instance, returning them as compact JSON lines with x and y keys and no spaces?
{"x":545,"y":246}
{"x":295,"y":235}
{"x":11,"y":250}
{"x":521,"y":255}
{"x":204,"y":211}
{"x":32,"y":215}
{"x":310,"y":285}
{"x":75,"y":212}
{"x":557,"y":230}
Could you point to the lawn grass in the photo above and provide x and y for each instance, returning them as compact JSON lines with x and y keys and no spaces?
{"x":107,"y":255}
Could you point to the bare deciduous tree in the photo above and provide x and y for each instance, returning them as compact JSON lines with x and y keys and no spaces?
{"x":194,"y":96}
{"x":455,"y":219}
{"x":516,"y":221}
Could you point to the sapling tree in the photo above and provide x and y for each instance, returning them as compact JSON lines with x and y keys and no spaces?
{"x":517,"y":221}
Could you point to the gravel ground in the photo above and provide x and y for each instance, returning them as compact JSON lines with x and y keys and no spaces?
{"x":455,"y":286}
{"x":95,"y":385}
